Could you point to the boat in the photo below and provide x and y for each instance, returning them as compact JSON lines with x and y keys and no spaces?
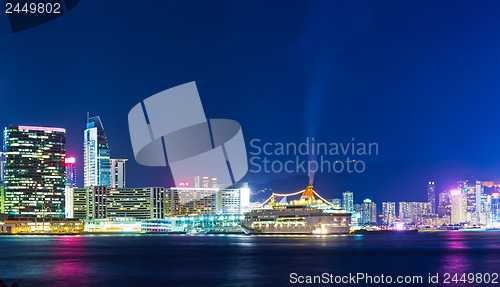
{"x":304,"y":216}
{"x":196,"y":231}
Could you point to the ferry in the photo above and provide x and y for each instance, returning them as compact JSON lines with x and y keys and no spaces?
{"x":304,"y":216}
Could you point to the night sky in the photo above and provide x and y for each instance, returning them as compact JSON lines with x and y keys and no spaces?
{"x":420,"y":78}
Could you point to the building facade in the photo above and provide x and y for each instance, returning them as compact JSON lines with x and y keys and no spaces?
{"x":34,"y":171}
{"x":458,"y":207}
{"x":348,"y":201}
{"x":96,"y":202}
{"x":234,"y":199}
{"x":97,"y":161}
{"x":414,"y":212}
{"x":100,"y":202}
{"x":388,"y":212}
{"x":118,"y":173}
{"x":369,"y":212}
{"x":129,"y":203}
{"x":431,"y":196}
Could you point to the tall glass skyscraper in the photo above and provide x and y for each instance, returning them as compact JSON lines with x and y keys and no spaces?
{"x":495,"y":208}
{"x":431,"y":196}
{"x":97,"y":161}
{"x":348,"y":201}
{"x":34,"y":171}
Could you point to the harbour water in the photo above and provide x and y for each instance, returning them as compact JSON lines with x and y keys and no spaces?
{"x":239,"y":260}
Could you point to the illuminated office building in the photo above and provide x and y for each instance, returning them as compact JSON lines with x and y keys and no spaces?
{"x":100,"y":202}
{"x":234,"y":199}
{"x":1,"y":167}
{"x":2,"y":190}
{"x":129,"y":203}
{"x":118,"y":173}
{"x":70,"y":172}
{"x":96,"y":202}
{"x":158,"y":202}
{"x":413,"y":212}
{"x":96,"y":157}
{"x":348,"y":201}
{"x":79,"y":205}
{"x":369,"y":212}
{"x":70,"y":180}
{"x":495,"y":208}
{"x":388,"y":212}
{"x":431,"y":196}
{"x":183,"y":201}
{"x":458,"y":207}
{"x":34,"y":171}
{"x":192,"y":201}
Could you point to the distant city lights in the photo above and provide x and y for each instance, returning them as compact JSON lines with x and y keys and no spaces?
{"x":455,"y":192}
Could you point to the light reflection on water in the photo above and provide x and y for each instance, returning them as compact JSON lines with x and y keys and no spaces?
{"x":237,"y":260}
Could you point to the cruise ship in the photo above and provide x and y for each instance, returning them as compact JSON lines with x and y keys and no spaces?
{"x":304,"y":216}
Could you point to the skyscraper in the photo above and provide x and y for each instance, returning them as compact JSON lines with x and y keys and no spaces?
{"x":348,"y":201}
{"x":2,"y":190}
{"x":1,"y":167}
{"x":431,"y":196}
{"x":34,"y":171}
{"x":118,"y":172}
{"x":69,"y":186}
{"x":388,"y":212}
{"x":70,"y":178}
{"x":479,"y":193}
{"x":97,"y":162}
{"x":495,"y":208}
{"x":369,"y":212}
{"x":444,"y":208}
{"x":458,"y":208}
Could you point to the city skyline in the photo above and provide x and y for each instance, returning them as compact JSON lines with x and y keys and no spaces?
{"x":326,"y":100}
{"x":249,"y":143}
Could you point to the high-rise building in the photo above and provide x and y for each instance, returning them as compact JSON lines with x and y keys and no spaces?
{"x":479,"y":193}
{"x":97,"y":161}
{"x":118,"y":172}
{"x":2,"y":190}
{"x":34,"y":171}
{"x":388,"y":212}
{"x":70,"y":172}
{"x":70,"y":184}
{"x":444,"y":198}
{"x":495,"y":208}
{"x":2,"y":199}
{"x":413,"y":212}
{"x":431,"y":196}
{"x":348,"y":201}
{"x":369,"y":212}
{"x":1,"y":167}
{"x":458,"y":210}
